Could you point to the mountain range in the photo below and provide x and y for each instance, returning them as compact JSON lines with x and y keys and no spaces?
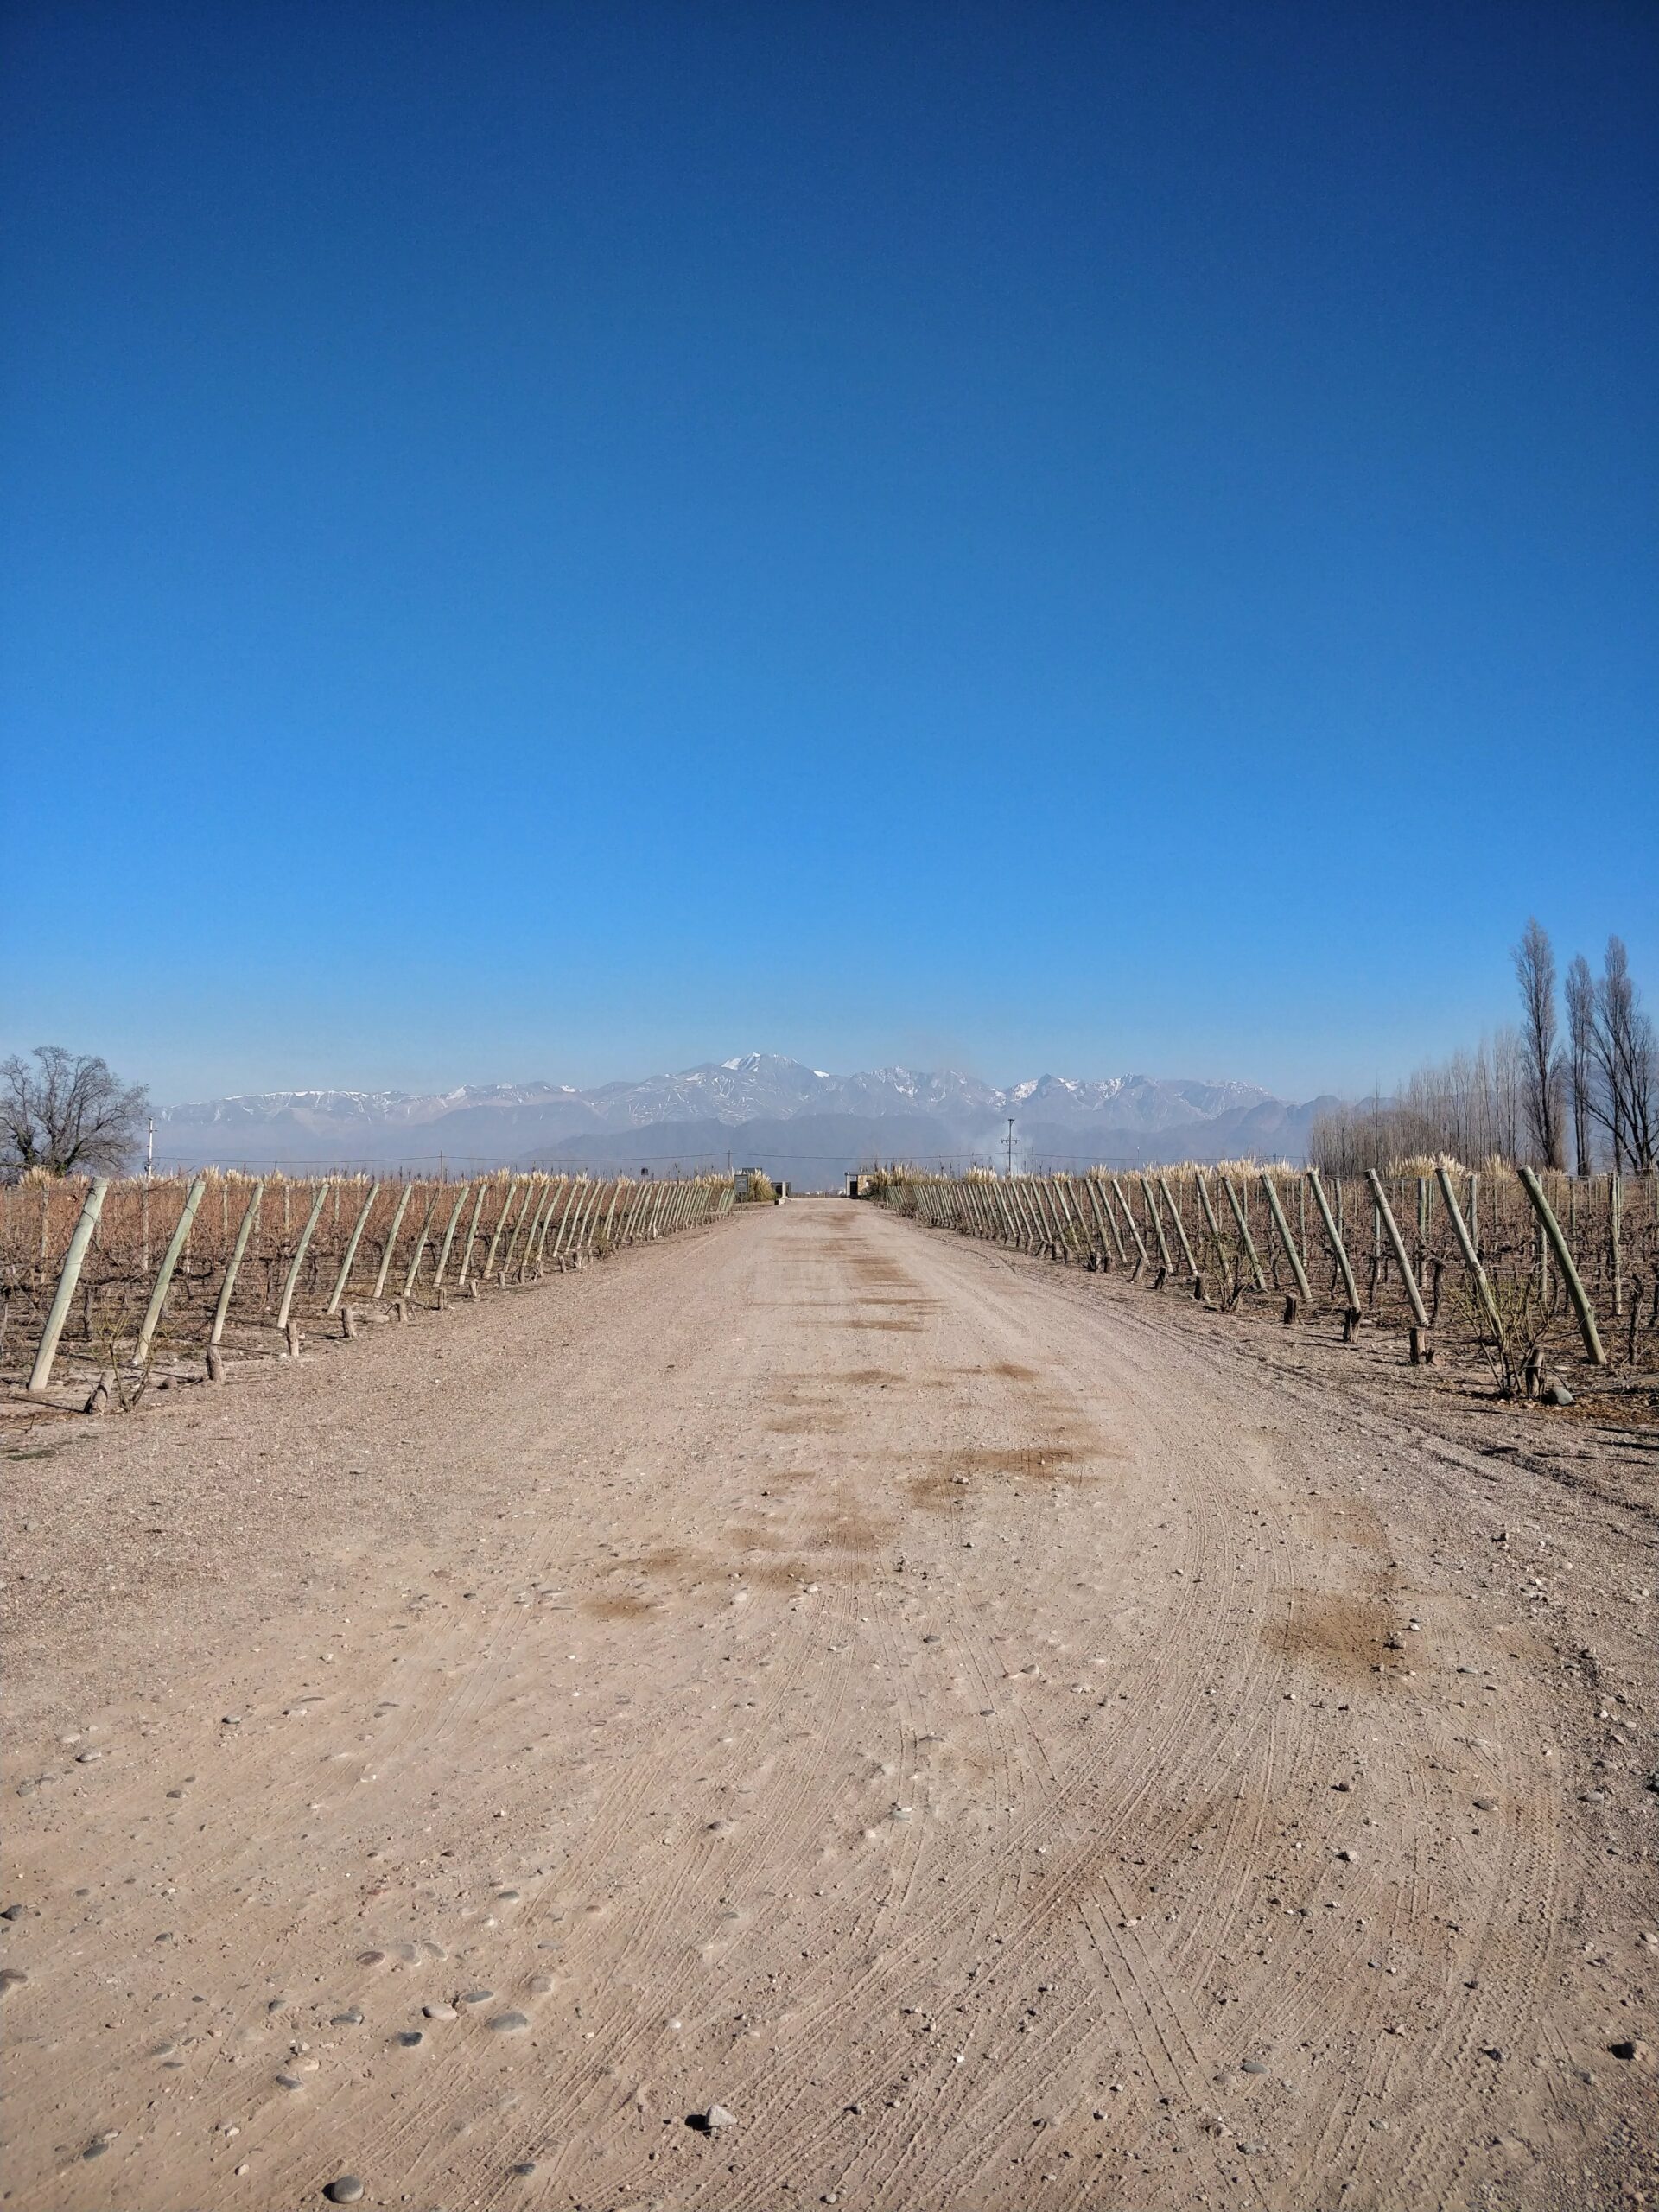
{"x":759,"y":1109}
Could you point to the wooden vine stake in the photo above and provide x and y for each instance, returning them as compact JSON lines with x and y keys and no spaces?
{"x":47,"y":1350}
{"x":1422,"y":1350}
{"x":1581,"y":1305}
{"x":175,"y":1244}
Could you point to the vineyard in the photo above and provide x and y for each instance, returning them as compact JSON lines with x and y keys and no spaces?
{"x":109,"y":1286}
{"x":1527,"y":1273}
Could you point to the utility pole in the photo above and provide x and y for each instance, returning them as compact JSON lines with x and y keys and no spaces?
{"x":150,"y":1154}
{"x":1008,"y":1144}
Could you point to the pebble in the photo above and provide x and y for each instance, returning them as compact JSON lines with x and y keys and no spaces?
{"x":409,"y":2037}
{"x":1253,"y":2066}
{"x":1632,"y":2047}
{"x":370,"y":1958}
{"x":353,"y":2019}
{"x":507,"y":2023}
{"x":474,"y":1997}
{"x":345,"y":2190}
{"x":11,"y":1978}
{"x":439,"y":2011}
{"x":13,"y":1912}
{"x":716,"y":2116}
{"x":289,"y":2082}
{"x":85,"y":1758}
{"x":507,"y":1897}
{"x":523,"y":2167}
{"x":1485,"y":1804}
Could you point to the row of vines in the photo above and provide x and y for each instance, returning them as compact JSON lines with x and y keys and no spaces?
{"x":125,"y":1281}
{"x":1530,"y":1274}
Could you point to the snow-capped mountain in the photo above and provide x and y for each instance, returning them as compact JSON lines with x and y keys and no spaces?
{"x":801,"y":1119}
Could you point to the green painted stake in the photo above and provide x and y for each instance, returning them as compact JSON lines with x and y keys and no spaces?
{"x":1335,"y":1234}
{"x":1470,"y":1258}
{"x":176,"y":1245}
{"x":1407,"y":1276}
{"x":1243,"y":1221}
{"x":399,"y":1213}
{"x":353,"y":1242}
{"x":73,"y":1259}
{"x":1581,"y":1305}
{"x":222,"y":1311}
{"x":1285,"y":1239}
{"x":293,"y":1281}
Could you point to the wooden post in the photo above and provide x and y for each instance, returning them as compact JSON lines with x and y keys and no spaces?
{"x":1615,"y":1209}
{"x":1103,"y":1200}
{"x":543,"y":1203}
{"x":1156,"y":1220}
{"x":1470,"y":1258}
{"x":1581,"y":1305}
{"x":175,"y":1244}
{"x":1408,"y":1273}
{"x":1336,"y":1245}
{"x":73,"y":1260}
{"x":495,"y":1240}
{"x":1180,"y":1226}
{"x":1243,"y":1221}
{"x":221,"y":1311}
{"x":1286,"y":1239}
{"x":472,"y":1235}
{"x":358,"y":1227}
{"x":449,"y":1239}
{"x":533,"y":1196}
{"x":1134,"y":1226}
{"x":420,"y":1243}
{"x":1214,"y":1227}
{"x":292,"y":1283}
{"x":399,"y":1213}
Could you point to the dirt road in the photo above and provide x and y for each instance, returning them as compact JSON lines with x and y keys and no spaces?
{"x":1008,"y":1740}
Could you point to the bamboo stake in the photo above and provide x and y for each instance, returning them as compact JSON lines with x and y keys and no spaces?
{"x":175,"y":1244}
{"x":73,"y":1259}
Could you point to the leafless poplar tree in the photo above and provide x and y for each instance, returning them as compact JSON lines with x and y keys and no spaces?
{"x":66,"y":1113}
{"x":1626,"y":1063}
{"x":1534,"y":970}
{"x":1581,"y":994}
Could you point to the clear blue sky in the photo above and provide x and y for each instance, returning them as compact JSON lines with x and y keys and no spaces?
{"x":565,"y":541}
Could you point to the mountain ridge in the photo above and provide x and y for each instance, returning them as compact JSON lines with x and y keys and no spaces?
{"x":757,"y":1103}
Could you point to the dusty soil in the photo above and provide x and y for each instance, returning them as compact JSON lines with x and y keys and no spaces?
{"x":1009,"y":1738}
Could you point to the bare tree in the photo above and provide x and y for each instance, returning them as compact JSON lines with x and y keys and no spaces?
{"x":1534,"y":970}
{"x":1580,"y":994}
{"x":1626,"y":1063}
{"x":67,"y":1114}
